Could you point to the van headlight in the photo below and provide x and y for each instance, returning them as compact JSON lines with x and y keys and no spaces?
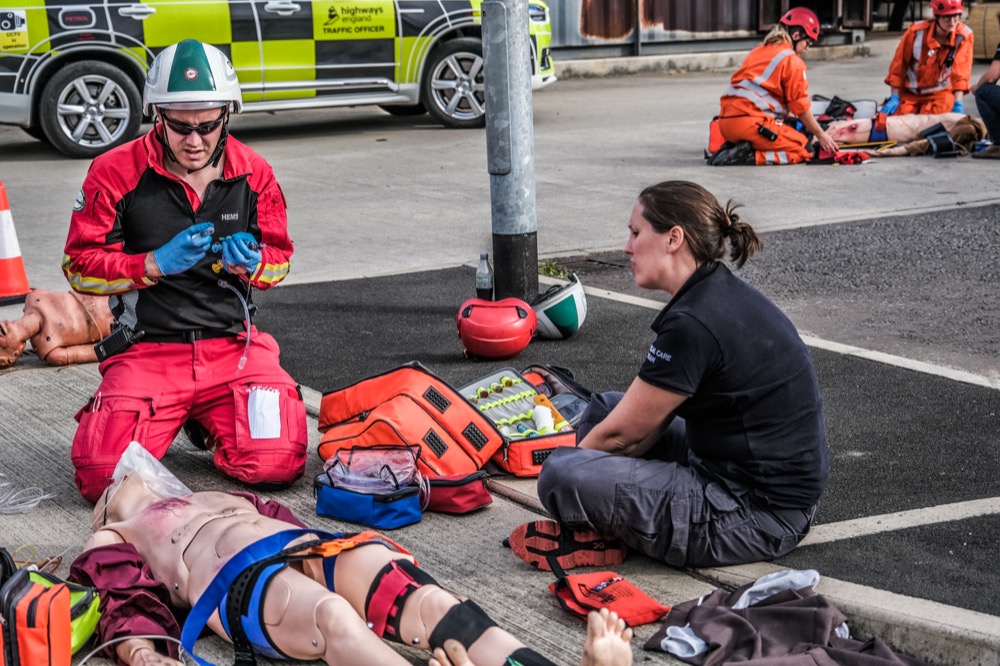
{"x":538,"y":13}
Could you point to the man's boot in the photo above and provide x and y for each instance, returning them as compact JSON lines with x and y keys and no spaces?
{"x":740,"y":154}
{"x":988,"y":153}
{"x":199,"y":435}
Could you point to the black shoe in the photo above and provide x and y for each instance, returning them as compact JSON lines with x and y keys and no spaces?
{"x":740,"y":154}
{"x":199,"y":435}
{"x":711,"y":156}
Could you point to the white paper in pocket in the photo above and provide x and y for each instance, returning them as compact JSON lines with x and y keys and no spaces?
{"x":264,"y":411}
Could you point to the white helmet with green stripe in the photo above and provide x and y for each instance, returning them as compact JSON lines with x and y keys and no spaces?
{"x":191,"y":75}
{"x":561,"y":310}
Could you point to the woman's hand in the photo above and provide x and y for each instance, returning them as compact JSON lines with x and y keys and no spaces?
{"x":635,"y":423}
{"x":150,"y":657}
{"x":142,"y":652}
{"x":452,"y":654}
{"x":826,"y":142}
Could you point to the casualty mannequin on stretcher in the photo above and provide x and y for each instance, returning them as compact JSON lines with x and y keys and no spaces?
{"x":930,"y":70}
{"x":157,"y":547}
{"x":900,"y":129}
{"x":768,"y":99}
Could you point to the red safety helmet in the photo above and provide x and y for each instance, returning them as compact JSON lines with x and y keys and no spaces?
{"x":805,"y":18}
{"x":947,"y":7}
{"x":496,"y":329}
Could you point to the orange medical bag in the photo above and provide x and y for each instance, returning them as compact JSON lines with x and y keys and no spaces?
{"x":36,"y":628}
{"x":43,"y":619}
{"x":412,"y":406}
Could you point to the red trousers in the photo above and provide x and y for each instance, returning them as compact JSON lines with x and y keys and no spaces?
{"x":788,"y":148}
{"x":150,"y":390}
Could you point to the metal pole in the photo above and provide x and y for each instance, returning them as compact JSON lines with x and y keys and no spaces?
{"x":510,"y":148}
{"x":637,"y":7}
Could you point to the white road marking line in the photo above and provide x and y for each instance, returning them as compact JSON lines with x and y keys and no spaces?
{"x":829,"y":345}
{"x":873,"y":524}
{"x":819,"y":343}
{"x":899,"y":361}
{"x":889,"y":522}
{"x":769,"y":226}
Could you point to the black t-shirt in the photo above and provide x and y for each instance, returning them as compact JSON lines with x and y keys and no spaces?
{"x":753,"y":410}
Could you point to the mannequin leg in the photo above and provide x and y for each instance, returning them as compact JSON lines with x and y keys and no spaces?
{"x":308,"y":622}
{"x":354,"y":573}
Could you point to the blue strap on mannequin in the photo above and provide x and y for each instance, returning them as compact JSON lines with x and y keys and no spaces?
{"x":209,"y":601}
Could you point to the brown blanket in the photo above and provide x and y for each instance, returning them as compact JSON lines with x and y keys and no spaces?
{"x":791,"y":628}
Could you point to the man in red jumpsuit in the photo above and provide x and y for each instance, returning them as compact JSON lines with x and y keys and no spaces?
{"x":178,"y":227}
{"x":767,"y":94}
{"x":933,"y":63}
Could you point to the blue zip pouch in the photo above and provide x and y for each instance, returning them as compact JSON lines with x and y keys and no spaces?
{"x":373,"y":486}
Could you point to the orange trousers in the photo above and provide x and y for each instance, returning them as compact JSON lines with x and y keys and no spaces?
{"x":788,"y":148}
{"x":939,"y":102}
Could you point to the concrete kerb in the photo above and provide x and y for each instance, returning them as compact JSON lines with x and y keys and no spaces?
{"x":934,"y":632}
{"x":940,"y":634}
{"x":689,"y":62}
{"x":881,"y":45}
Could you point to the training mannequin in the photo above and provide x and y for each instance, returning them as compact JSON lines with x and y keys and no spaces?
{"x":184,"y":541}
{"x":158,"y":546}
{"x":899,"y":128}
{"x":63,"y":328}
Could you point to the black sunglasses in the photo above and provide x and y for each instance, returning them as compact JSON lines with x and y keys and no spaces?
{"x":184,"y":129}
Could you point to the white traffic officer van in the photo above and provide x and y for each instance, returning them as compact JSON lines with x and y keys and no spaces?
{"x":71,"y":71}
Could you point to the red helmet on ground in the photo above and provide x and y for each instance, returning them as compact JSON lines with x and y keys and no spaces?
{"x":947,"y":7}
{"x":496,"y":329}
{"x":805,"y":18}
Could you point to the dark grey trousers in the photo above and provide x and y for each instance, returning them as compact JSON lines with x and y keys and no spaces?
{"x":659,"y":505}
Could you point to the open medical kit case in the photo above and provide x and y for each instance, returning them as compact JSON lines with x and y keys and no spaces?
{"x":535,"y":410}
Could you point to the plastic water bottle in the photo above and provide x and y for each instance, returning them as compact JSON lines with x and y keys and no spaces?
{"x":484,"y":278}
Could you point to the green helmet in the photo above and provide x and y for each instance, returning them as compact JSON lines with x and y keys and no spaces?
{"x":561,"y":310}
{"x":191,"y":76}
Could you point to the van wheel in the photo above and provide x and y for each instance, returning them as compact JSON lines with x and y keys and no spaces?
{"x":90,"y":107}
{"x":452,"y":89}
{"x":403,"y":110}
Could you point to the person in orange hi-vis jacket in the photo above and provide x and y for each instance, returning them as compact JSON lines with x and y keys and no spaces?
{"x":767,"y":95}
{"x":933,"y":63}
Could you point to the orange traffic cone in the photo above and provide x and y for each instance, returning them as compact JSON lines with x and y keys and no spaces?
{"x":13,"y":280}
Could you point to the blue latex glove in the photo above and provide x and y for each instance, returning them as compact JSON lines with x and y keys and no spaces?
{"x":239,"y":253}
{"x":891,"y":104}
{"x":958,"y":107}
{"x":185,"y":249}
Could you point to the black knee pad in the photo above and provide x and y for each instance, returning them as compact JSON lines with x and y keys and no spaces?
{"x":465,"y":622}
{"x":527,"y":657}
{"x":389,"y":592}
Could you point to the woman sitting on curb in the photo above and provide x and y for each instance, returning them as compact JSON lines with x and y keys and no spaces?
{"x":716,"y":455}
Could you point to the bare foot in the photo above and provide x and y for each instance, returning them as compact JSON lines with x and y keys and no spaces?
{"x":607,"y":640}
{"x":452,"y":654}
{"x":607,"y":644}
